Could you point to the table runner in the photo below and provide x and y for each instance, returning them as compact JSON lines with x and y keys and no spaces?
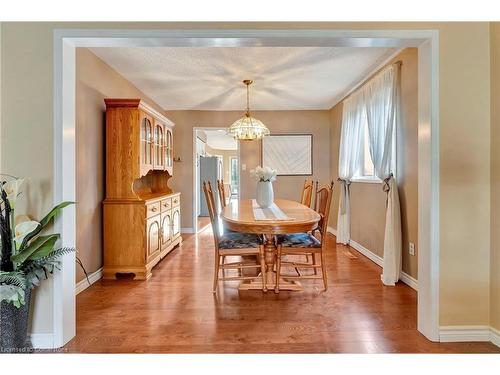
{"x":272,"y":213}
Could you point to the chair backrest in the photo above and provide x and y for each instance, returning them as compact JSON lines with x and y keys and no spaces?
{"x":322,"y":207}
{"x":307,"y":193}
{"x":212,"y":211}
{"x":222,"y":193}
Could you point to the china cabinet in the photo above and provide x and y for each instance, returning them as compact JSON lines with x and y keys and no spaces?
{"x":141,"y":212}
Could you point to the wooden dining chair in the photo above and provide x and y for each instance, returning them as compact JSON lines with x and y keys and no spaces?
{"x":222,"y":193}
{"x":233,"y":244}
{"x":307,"y":191}
{"x":307,"y":243}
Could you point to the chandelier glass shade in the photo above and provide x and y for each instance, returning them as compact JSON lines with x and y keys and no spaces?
{"x":248,"y":128}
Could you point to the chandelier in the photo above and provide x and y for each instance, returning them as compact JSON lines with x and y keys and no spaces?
{"x":248,"y":128}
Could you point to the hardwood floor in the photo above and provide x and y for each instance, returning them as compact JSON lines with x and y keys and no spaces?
{"x":203,"y":223}
{"x":176,"y":312}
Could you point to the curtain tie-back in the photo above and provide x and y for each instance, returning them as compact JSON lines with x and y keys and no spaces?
{"x":345,"y":183}
{"x":386,"y":180}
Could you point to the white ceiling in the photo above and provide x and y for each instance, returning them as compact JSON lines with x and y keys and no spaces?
{"x":219,"y":140}
{"x":180,"y":78}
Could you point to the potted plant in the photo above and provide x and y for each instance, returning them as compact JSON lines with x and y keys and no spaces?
{"x":265,"y":176}
{"x":28,"y":255}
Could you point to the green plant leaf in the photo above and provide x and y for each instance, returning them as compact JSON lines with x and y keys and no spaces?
{"x":40,"y":247}
{"x":13,"y":278}
{"x":12,"y":294}
{"x":54,"y":212}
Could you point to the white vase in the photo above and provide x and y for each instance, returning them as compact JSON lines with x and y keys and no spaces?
{"x":265,"y":194}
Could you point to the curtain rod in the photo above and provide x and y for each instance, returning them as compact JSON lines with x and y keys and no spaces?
{"x":359,"y":85}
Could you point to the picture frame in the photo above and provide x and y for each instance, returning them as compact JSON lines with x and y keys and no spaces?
{"x":288,"y":154}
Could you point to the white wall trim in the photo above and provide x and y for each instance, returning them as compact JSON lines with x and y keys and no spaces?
{"x":64,"y":109}
{"x":187,"y":230}
{"x":84,"y":284}
{"x":428,"y":187}
{"x":495,"y":336}
{"x":42,"y":340}
{"x":332,"y":231}
{"x":464,"y":333}
{"x":407,"y":279}
{"x":427,"y":41}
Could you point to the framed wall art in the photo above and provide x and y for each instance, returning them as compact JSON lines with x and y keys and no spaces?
{"x":288,"y":154}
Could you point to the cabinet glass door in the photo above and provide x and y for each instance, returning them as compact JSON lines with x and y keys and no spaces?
{"x":146,"y":142}
{"x":159,"y":143}
{"x":168,"y":148}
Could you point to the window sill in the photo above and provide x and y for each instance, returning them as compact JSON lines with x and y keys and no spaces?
{"x":367,"y":180}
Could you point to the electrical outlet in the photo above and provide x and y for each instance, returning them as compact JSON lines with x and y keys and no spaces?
{"x":412,"y":248}
{"x":243,"y":167}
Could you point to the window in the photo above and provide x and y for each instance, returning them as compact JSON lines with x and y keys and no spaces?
{"x":367,"y":171}
{"x":234,"y":173}
{"x":378,"y":102}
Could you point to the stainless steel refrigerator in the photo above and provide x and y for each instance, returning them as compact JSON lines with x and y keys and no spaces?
{"x":210,"y":170}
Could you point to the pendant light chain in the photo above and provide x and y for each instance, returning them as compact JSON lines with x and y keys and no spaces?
{"x":248,"y":100}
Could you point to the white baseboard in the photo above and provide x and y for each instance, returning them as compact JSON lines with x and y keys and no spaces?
{"x":187,"y":230}
{"x":367,"y":253}
{"x":42,"y":340}
{"x":469,"y":334}
{"x":84,"y":284}
{"x":495,"y":336}
{"x":464,"y":333}
{"x":407,"y":279}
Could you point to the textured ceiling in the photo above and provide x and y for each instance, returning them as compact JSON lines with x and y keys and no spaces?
{"x":210,"y":78}
{"x":219,"y":140}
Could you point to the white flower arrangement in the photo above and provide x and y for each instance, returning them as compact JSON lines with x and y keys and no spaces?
{"x":263,"y":174}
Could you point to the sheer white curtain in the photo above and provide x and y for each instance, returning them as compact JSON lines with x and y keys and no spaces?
{"x":350,"y":158}
{"x":381,"y":97}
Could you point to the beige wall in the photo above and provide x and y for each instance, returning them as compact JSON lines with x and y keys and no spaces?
{"x":95,"y":80}
{"x":368,"y":199}
{"x":495,"y":176}
{"x":464,"y":124}
{"x":279,"y":122}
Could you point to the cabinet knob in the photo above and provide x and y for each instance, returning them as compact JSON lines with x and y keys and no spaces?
{"x":153,"y":209}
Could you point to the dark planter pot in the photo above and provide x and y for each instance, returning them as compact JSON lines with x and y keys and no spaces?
{"x":14,"y":327}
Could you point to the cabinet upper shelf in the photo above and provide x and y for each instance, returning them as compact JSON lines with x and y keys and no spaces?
{"x":139,"y":142}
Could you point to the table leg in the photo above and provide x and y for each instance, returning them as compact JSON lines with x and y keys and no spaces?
{"x":270,"y":260}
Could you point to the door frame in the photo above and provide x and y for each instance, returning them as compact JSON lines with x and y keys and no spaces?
{"x":196,"y":176}
{"x":427,"y":42}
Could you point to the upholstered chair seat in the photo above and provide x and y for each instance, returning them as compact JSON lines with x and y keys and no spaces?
{"x":298,"y":240}
{"x":236,"y":240}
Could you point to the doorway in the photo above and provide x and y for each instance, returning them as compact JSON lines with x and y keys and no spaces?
{"x":216,"y":159}
{"x":427,"y":41}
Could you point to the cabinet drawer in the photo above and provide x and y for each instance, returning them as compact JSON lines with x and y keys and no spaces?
{"x":166,"y":204}
{"x":176,"y":201}
{"x":152,"y":209}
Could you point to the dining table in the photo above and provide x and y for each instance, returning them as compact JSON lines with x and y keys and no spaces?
{"x":282,"y":217}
